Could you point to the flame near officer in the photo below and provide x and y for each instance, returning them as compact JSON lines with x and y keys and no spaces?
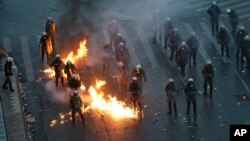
{"x":8,"y":73}
{"x":45,"y":47}
{"x":50,"y":29}
{"x":135,"y":94}
{"x":58,"y":67}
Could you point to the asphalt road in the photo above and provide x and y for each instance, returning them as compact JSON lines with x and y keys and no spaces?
{"x":22,"y":22}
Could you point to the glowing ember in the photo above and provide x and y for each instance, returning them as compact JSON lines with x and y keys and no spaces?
{"x":81,"y":54}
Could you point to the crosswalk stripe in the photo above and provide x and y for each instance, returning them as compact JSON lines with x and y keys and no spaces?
{"x":134,"y":59}
{"x":243,"y":10}
{"x":244,"y":16}
{"x":27,"y":58}
{"x":237,"y":5}
{"x":201,"y":49}
{"x":198,"y":4}
{"x":7,"y":45}
{"x":146,"y":47}
{"x":220,"y":4}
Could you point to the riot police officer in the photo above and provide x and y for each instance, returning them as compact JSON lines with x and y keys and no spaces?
{"x":171,"y":93}
{"x":183,"y":55}
{"x":214,"y":12}
{"x":74,"y":83}
{"x":122,"y":54}
{"x":75,"y":105}
{"x":246,"y":50}
{"x":45,"y":47}
{"x":233,"y":19}
{"x":140,"y":74}
{"x":122,"y":77}
{"x":193,"y":44}
{"x":208,"y":75}
{"x":58,"y":67}
{"x":118,"y":39}
{"x":191,"y":92}
{"x":112,"y":30}
{"x":174,"y":42}
{"x":50,"y":29}
{"x":223,"y":40}
{"x":168,"y":29}
{"x":239,"y":41}
{"x":157,"y":25}
{"x":135,"y":94}
{"x":69,"y":69}
{"x":8,"y":73}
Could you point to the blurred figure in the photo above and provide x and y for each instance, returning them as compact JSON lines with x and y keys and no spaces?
{"x":173,"y":43}
{"x":193,"y":44}
{"x":122,"y":54}
{"x":246,"y":50}
{"x":44,"y":47}
{"x":69,"y":69}
{"x":8,"y":73}
{"x":168,"y":29}
{"x":140,"y":74}
{"x":107,"y":48}
{"x":75,"y":106}
{"x":233,"y":20}
{"x":214,"y":12}
{"x":74,"y":82}
{"x":157,"y":24}
{"x":183,"y":55}
{"x":171,"y":93}
{"x":239,"y":41}
{"x":191,"y":92}
{"x":50,"y":29}
{"x":112,"y":30}
{"x":208,"y":75}
{"x":223,"y":40}
{"x":122,"y":77}
{"x":135,"y":94}
{"x":118,"y":39}
{"x":58,"y":67}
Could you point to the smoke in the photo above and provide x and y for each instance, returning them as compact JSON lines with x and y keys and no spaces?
{"x":57,"y":95}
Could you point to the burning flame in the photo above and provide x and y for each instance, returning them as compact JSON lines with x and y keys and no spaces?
{"x":117,"y":109}
{"x":81,"y":54}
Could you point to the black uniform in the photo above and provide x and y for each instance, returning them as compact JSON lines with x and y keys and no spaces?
{"x":233,"y":20}
{"x":193,"y":45}
{"x":75,"y":106}
{"x":183,"y":55}
{"x":122,"y":55}
{"x":122,"y":79}
{"x":58,"y":67}
{"x":117,"y":41}
{"x":191,"y":92}
{"x":8,"y":73}
{"x":208,"y":74}
{"x":69,"y":70}
{"x":112,"y":30}
{"x":239,"y":41}
{"x":44,"y":47}
{"x":223,"y":40}
{"x":214,"y":12}
{"x":51,"y":31}
{"x":74,"y":84}
{"x":168,"y":29}
{"x":246,"y":52}
{"x":171,"y":93}
{"x":139,"y":74}
{"x":135,"y":94}
{"x":174,"y":41}
{"x":108,"y":49}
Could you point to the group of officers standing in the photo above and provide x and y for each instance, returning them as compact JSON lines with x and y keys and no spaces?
{"x":186,"y":51}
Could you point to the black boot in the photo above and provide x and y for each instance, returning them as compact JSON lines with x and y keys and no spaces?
{"x":169,"y":108}
{"x":205,"y":89}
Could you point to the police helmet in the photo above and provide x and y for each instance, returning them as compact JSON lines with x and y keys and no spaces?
{"x":242,"y":27}
{"x":134,"y":78}
{"x":9,"y":59}
{"x":58,"y":56}
{"x":138,"y":66}
{"x":121,"y":44}
{"x":120,"y":64}
{"x":170,"y":80}
{"x":49,"y":18}
{"x":208,"y":62}
{"x":246,"y":37}
{"x":213,"y":2}
{"x":183,"y":43}
{"x":44,"y":33}
{"x":75,"y":92}
{"x":193,"y":33}
{"x":228,"y":11}
{"x":190,"y":79}
{"x":168,"y":19}
{"x":119,"y":34}
{"x":69,"y":62}
{"x":74,"y":76}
